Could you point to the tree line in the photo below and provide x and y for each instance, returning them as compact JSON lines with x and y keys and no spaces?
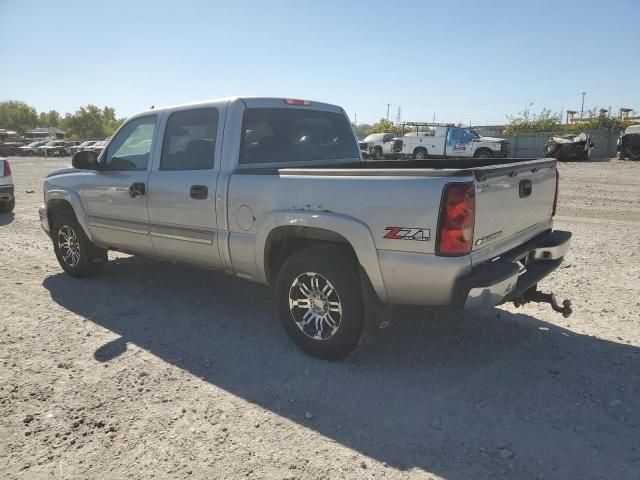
{"x":87,"y":122}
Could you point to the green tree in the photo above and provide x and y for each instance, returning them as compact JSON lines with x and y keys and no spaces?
{"x":361,"y":130}
{"x":91,"y":122}
{"x":545,"y":121}
{"x":17,"y":115}
{"x":383,"y":126}
{"x":49,"y":119}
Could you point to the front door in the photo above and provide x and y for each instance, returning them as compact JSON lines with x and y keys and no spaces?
{"x":115,"y":198}
{"x":182,"y":187}
{"x":459,"y":142}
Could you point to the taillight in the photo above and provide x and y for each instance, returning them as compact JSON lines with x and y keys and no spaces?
{"x":297,"y":101}
{"x":7,"y":168}
{"x":457,"y":219}
{"x":555,"y":199}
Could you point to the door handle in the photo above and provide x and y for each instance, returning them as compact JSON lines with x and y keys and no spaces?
{"x":137,"y":188}
{"x":525,"y":188}
{"x":199,"y":192}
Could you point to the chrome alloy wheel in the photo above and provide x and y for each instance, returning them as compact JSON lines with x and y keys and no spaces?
{"x":68,"y":246}
{"x":315,"y":306}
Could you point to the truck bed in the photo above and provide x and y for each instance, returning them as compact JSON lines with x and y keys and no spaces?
{"x":480,"y":168}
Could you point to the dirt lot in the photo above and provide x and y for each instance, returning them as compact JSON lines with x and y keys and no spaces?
{"x":155,"y":370}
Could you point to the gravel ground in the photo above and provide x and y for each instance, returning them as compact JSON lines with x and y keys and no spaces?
{"x":155,"y":370}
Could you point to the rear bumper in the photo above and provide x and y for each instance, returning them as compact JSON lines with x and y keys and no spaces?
{"x":6,"y":193}
{"x":505,"y":279}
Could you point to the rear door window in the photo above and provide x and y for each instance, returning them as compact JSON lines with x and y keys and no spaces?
{"x":190,"y":140}
{"x":280,"y":135}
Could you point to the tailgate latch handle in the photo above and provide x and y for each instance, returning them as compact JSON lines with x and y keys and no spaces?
{"x":526,"y":187}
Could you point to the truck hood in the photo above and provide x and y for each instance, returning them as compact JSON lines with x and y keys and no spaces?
{"x":62,"y":171}
{"x":492,"y":139}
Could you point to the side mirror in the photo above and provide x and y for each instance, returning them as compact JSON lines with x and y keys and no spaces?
{"x":85,"y":160}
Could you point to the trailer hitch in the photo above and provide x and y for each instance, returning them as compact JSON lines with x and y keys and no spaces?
{"x":537,"y":296}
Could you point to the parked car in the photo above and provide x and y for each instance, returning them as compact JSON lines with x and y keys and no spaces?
{"x":97,"y":147}
{"x":10,"y":149}
{"x":7,"y":197}
{"x":275,"y":191}
{"x":629,"y":143}
{"x":82,"y":146}
{"x":31,"y":149}
{"x":437,"y":140}
{"x":570,"y":147}
{"x":378,"y":146}
{"x":54,"y":148}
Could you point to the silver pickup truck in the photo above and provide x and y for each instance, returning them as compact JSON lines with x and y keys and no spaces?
{"x":275,"y":191}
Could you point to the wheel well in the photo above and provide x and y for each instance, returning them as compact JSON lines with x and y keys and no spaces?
{"x":56,"y":207}
{"x":483,"y":150}
{"x":282,"y":242}
{"x":419,"y":149}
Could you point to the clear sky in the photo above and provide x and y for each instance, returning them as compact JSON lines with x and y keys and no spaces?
{"x":464,"y":61}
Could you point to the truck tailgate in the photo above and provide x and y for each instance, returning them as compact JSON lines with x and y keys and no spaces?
{"x":511,"y":199}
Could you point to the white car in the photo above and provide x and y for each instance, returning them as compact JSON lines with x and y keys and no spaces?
{"x":378,"y":146}
{"x":31,"y":149}
{"x":7,"y":197}
{"x":82,"y":146}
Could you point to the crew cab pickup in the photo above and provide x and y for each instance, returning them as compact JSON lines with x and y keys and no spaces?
{"x":275,"y":191}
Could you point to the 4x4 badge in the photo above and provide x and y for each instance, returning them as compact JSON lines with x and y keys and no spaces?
{"x":408,"y":233}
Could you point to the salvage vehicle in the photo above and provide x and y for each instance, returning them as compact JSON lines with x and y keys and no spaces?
{"x":629,"y":143}
{"x":98,"y":146}
{"x":82,"y":146}
{"x":7,"y":194}
{"x":10,"y":149}
{"x":443,"y":140}
{"x":378,"y":146}
{"x":570,"y":147}
{"x":54,"y":148}
{"x":275,"y":191}
{"x":31,"y":149}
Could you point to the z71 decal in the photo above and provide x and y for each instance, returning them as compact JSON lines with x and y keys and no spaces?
{"x":408,"y":233}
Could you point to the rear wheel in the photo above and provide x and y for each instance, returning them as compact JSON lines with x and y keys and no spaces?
{"x":320,"y":301}
{"x":76,"y":254}
{"x":420,"y":154}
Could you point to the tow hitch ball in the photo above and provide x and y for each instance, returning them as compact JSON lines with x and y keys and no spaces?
{"x":534,"y":295}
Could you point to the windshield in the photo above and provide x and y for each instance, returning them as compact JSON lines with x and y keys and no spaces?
{"x":374,"y":137}
{"x":34,"y":144}
{"x":475,"y":134}
{"x":86,"y":144}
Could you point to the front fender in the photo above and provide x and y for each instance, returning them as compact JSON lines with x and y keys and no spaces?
{"x":354,"y":231}
{"x":74,"y":200}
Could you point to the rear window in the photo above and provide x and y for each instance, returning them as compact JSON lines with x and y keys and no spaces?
{"x":279,"y":135}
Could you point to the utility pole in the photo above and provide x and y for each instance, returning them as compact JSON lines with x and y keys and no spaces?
{"x":582,"y":107}
{"x":355,"y":119}
{"x":398,"y":117}
{"x":388,"y":105}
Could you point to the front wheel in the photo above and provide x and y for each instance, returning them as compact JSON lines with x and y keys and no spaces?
{"x":76,"y":254}
{"x":483,"y":154}
{"x":320,"y":301}
{"x":420,"y":154}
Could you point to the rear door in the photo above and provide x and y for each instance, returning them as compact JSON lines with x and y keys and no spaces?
{"x":182,"y":190}
{"x":513,"y":200}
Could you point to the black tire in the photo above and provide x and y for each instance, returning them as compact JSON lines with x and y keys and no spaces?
{"x":29,"y":153}
{"x":90,"y":257}
{"x":483,"y":154}
{"x":420,"y":153}
{"x":335,"y":268}
{"x":377,"y":153}
{"x":7,"y":206}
